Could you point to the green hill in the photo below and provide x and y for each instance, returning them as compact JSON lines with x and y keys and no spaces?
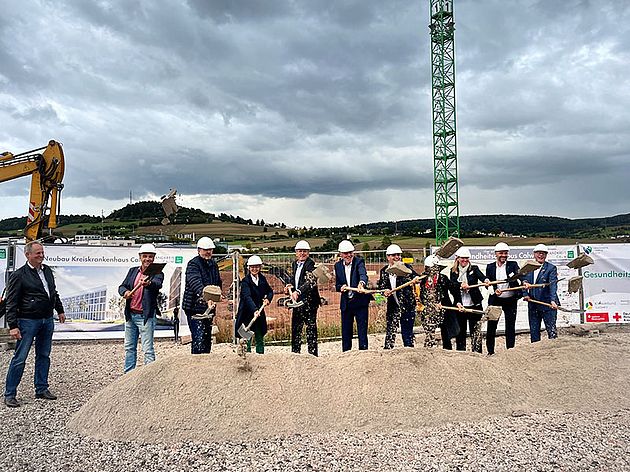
{"x":143,"y":219}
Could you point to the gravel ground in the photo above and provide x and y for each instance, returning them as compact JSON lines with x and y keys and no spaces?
{"x":35,"y":437}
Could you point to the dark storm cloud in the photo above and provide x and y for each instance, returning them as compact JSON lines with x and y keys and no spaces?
{"x":299,"y":98}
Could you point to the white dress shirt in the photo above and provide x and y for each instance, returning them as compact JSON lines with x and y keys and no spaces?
{"x":40,"y":273}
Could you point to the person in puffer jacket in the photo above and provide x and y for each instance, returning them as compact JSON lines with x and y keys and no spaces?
{"x":200,"y":272}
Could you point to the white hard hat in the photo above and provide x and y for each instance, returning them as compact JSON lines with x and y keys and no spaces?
{"x":462,"y":252}
{"x":253,"y":261}
{"x":345,"y":246}
{"x":303,"y":245}
{"x":393,"y":249}
{"x":205,"y":243}
{"x":541,"y":248}
{"x":431,"y":260}
{"x":501,"y":247}
{"x":147,"y":248}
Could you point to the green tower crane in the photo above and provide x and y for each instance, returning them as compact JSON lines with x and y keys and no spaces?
{"x":442,"y":30}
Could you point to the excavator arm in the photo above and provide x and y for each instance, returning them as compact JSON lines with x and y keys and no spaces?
{"x":46,"y":167}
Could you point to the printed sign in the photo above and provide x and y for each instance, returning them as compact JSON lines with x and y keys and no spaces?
{"x":607,"y":282}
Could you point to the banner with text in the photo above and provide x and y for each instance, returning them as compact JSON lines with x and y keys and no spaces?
{"x":559,"y":256}
{"x":607,"y":283}
{"x":88,"y":277}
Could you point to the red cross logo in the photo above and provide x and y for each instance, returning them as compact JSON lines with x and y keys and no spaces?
{"x":617,"y":317}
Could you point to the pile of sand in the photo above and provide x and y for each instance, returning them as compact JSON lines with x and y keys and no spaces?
{"x":221,"y":396}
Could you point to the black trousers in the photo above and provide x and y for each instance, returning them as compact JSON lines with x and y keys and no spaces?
{"x":200,"y":333}
{"x":300,"y":317}
{"x":468,"y":321}
{"x":509,"y":308}
{"x":347,"y":327}
{"x":406,"y":320}
{"x":449,"y":329}
{"x":446,"y":340}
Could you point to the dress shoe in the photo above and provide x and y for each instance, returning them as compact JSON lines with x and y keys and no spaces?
{"x":11,"y":402}
{"x":46,"y":395}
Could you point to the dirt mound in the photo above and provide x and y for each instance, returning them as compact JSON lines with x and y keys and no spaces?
{"x":221,"y":396}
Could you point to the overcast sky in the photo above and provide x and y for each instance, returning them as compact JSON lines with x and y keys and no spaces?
{"x":318,"y":113}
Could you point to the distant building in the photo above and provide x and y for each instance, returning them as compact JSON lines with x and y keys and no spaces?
{"x":89,"y":304}
{"x":238,"y":248}
{"x":80,"y":238}
{"x":111,"y":242}
{"x":190,"y":236}
{"x":175,"y":288}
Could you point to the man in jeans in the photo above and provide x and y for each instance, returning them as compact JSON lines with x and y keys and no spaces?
{"x":31,"y":298}
{"x":140,"y":308}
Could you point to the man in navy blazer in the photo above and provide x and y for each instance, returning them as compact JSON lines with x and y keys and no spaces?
{"x":350,"y":271}
{"x":502,"y":269}
{"x":141,"y":308}
{"x":547,"y":274}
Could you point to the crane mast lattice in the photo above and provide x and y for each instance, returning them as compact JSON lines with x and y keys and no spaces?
{"x":442,"y":30}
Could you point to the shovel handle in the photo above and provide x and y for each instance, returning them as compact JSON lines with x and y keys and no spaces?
{"x":566,"y":310}
{"x":482,"y":284}
{"x":530,"y":286}
{"x":542,"y":303}
{"x":256,"y":315}
{"x":413,"y":281}
{"x":135,"y":289}
{"x":522,"y":288}
{"x":466,"y":310}
{"x":361,"y":290}
{"x":354,"y":289}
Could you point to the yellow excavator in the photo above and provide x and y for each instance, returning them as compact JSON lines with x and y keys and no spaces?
{"x":46,"y":167}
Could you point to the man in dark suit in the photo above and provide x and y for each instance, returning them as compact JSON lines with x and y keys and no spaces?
{"x":350,"y":272}
{"x":140,"y":307}
{"x":30,"y":299}
{"x":401,"y":305}
{"x":255,"y":292}
{"x":305,"y":285}
{"x":502,"y":269}
{"x":546,"y":274}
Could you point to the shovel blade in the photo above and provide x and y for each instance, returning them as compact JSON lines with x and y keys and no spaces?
{"x":292,"y":304}
{"x":571,"y":310}
{"x":245,"y":333}
{"x":581,"y":261}
{"x":529,"y":266}
{"x":575,"y":283}
{"x":494,"y":312}
{"x":449,"y":247}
